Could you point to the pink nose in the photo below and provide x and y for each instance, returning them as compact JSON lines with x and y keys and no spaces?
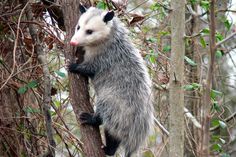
{"x":73,"y":43}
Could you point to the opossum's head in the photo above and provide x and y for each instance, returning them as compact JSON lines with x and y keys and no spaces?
{"x":93,"y":27}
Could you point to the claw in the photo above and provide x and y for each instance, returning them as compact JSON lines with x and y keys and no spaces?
{"x":72,"y":67}
{"x":85,"y":118}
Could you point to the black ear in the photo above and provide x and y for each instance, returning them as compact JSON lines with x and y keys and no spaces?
{"x":82,"y":9}
{"x":109,"y":16}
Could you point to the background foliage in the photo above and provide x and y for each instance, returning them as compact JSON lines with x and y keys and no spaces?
{"x":22,"y":120}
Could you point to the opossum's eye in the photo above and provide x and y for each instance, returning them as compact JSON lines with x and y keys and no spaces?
{"x":78,"y":28}
{"x":89,"y":31}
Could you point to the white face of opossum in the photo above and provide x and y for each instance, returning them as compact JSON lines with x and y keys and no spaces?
{"x":92,"y":28}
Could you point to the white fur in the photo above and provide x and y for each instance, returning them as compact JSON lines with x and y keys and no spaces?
{"x":88,"y":21}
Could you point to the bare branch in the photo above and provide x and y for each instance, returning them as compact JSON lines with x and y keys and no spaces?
{"x":161,"y":127}
{"x":46,"y":82}
{"x":189,"y":115}
{"x":225,"y":40}
{"x":208,"y":84}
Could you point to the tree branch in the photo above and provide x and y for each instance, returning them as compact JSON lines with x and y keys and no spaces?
{"x":46,"y":82}
{"x":78,"y":85}
{"x":208,"y":85}
{"x":189,"y":115}
{"x":225,"y":40}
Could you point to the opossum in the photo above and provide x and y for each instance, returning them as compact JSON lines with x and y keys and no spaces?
{"x":120,"y":79}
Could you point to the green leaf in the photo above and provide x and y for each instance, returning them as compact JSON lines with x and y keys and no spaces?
{"x":219,"y":37}
{"x":152,"y":59}
{"x":22,"y":90}
{"x":196,"y":85}
{"x":155,"y":6}
{"x":32,"y":84}
{"x":203,"y":42}
{"x":53,"y":113}
{"x":205,"y":31}
{"x":152,"y":56}
{"x":216,"y":106}
{"x":163,"y":33}
{"x":61,"y":74}
{"x":222,"y":124}
{"x":215,"y":122}
{"x":57,"y":103}
{"x":152,"y":40}
{"x":188,"y":87}
{"x":228,"y":24}
{"x":193,"y":2}
{"x":217,"y":147}
{"x":219,"y":54}
{"x":166,"y":48}
{"x":215,"y":93}
{"x":205,"y":4}
{"x":192,"y":86}
{"x":189,"y":61}
{"x":101,"y":5}
{"x":215,"y":138}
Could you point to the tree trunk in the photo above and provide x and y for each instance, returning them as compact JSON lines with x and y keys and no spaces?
{"x":79,"y":85}
{"x":176,"y":79}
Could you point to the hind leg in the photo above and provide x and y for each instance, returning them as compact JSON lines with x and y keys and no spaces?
{"x":112,"y":144}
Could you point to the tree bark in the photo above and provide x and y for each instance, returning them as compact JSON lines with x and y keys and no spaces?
{"x":176,"y":79}
{"x":79,"y":85}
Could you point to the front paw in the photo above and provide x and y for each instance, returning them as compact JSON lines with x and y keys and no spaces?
{"x":72,"y":67}
{"x":86,"y":118}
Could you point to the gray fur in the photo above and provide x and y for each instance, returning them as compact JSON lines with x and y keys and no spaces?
{"x":122,"y":86}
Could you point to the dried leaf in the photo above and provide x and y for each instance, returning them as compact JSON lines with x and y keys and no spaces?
{"x":135,"y":18}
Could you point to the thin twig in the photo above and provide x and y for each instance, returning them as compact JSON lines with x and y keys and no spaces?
{"x":137,"y":6}
{"x":232,"y":60}
{"x":226,"y":39}
{"x":161,"y":127}
{"x":15,"y":46}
